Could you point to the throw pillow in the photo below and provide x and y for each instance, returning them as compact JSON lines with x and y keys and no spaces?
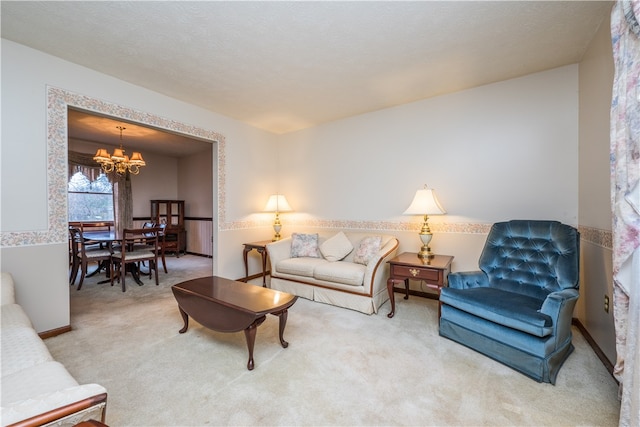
{"x":304,"y":245}
{"x":369,"y":247}
{"x":336,"y":247}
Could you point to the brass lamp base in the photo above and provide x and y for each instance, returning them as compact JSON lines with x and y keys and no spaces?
{"x":277,"y":226}
{"x":425,"y":253}
{"x":425,"y":237}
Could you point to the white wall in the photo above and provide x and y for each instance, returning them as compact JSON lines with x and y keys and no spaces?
{"x":25,"y":207}
{"x":596,"y":79}
{"x":502,"y":151}
{"x":195,"y":184}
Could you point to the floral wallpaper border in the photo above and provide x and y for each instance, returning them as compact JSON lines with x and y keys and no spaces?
{"x":597,"y":236}
{"x":58,"y":101}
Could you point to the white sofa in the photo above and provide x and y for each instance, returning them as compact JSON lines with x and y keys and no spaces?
{"x":37,"y":390}
{"x":336,"y":274}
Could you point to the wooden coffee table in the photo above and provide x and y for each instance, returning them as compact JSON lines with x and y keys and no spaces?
{"x":225,"y":305}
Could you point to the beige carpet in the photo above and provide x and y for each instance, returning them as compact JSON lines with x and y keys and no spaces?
{"x":341,"y":368}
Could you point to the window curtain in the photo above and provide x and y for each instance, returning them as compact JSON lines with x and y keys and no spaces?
{"x":123,"y":196}
{"x":83,"y":162}
{"x":122,"y":192}
{"x":625,"y":203}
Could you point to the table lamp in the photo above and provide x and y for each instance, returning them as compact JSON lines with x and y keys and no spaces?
{"x":277,"y":203}
{"x":425,"y":203}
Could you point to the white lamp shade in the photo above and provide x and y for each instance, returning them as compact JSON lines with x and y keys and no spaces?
{"x":277,"y":203}
{"x":425,"y":202}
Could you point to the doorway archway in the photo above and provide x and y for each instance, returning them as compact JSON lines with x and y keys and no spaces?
{"x":59,"y":101}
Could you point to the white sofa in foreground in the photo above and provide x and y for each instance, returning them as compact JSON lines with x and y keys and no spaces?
{"x":37,"y":390}
{"x":345,"y":269}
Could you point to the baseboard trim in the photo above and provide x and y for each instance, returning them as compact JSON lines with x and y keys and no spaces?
{"x":54,"y":332}
{"x":596,"y":348}
{"x":196,"y":254}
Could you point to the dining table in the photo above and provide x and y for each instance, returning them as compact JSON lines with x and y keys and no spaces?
{"x":109,"y":237}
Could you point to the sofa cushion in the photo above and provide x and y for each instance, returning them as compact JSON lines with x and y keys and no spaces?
{"x":304,"y":245}
{"x":506,"y":308}
{"x":12,"y":316}
{"x":300,"y":266}
{"x":43,"y":378}
{"x":336,"y":248}
{"x":347,"y":273}
{"x":368,"y":248}
{"x":22,"y":348}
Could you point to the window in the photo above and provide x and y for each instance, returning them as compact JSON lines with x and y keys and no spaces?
{"x":90,"y":201}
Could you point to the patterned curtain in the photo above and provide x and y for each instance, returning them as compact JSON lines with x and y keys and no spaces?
{"x":625,"y":203}
{"x":83,"y":162}
{"x":123,"y":196}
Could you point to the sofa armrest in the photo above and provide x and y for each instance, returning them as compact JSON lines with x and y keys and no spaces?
{"x":468,"y":279}
{"x":49,"y":407}
{"x":375,"y":275}
{"x":277,"y":251}
{"x":8,"y":295}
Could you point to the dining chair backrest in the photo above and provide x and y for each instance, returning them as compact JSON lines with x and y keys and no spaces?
{"x":140,"y":241}
{"x":78,"y":244}
{"x":161,"y":241}
{"x":147,"y":226}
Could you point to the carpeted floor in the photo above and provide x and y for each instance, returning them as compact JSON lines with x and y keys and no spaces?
{"x":341,"y":367}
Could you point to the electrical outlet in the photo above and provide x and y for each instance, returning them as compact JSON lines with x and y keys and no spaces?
{"x":606,"y":303}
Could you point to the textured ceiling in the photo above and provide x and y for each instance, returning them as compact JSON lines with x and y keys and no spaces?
{"x":285,"y":66}
{"x":94,"y":128}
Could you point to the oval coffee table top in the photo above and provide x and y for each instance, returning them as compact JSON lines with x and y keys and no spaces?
{"x":242,"y":296}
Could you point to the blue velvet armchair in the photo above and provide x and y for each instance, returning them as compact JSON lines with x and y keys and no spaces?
{"x":518,"y":308}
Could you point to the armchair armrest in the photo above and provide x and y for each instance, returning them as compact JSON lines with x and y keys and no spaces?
{"x":468,"y":279}
{"x":559,"y":306}
{"x":556,"y":302}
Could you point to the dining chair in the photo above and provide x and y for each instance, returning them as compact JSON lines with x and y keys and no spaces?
{"x":137,"y":245}
{"x":162,"y":242}
{"x":148,"y":243}
{"x":82,"y":253}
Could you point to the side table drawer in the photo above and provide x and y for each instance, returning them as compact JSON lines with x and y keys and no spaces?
{"x":415,"y":273}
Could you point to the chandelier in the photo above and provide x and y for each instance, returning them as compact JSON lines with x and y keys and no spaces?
{"x":119,"y":162}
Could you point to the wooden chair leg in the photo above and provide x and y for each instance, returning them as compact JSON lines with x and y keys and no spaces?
{"x":123,"y":274}
{"x":83,"y":271}
{"x":112,"y":271}
{"x":74,"y":271}
{"x":155,"y":266}
{"x":164,"y":262}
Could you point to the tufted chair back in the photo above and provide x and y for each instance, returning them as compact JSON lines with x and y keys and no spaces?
{"x":533,"y":258}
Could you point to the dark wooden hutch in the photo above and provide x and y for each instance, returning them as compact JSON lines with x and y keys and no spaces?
{"x":171,"y":213}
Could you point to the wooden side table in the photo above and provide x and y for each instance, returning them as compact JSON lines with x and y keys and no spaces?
{"x":407,"y":265}
{"x":261,"y":247}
